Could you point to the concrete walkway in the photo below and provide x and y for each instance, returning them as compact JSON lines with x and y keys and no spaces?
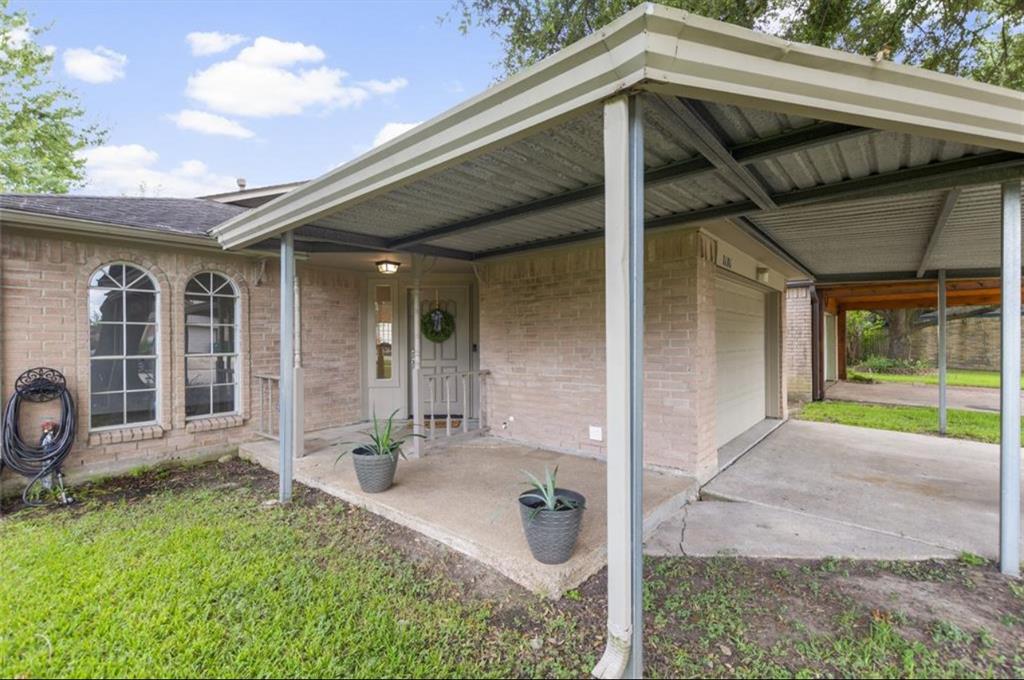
{"x":815,"y":490}
{"x":967,"y":398}
{"x":464,"y":496}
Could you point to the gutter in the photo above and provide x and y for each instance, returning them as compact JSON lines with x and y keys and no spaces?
{"x":77,"y":226}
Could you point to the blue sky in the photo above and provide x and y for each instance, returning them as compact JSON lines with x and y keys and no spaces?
{"x":271,"y":91}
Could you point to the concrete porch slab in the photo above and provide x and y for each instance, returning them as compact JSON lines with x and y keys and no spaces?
{"x":464,"y":496}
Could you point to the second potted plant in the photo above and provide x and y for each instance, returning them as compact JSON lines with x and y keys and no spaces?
{"x":376,"y":461}
{"x":551,"y":518}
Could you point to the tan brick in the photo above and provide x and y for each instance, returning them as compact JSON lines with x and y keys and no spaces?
{"x":45,"y":278}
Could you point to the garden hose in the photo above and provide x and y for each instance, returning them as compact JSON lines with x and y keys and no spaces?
{"x":39,"y":463}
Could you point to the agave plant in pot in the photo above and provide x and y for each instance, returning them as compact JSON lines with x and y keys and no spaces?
{"x":375,"y":461}
{"x":551,"y":518}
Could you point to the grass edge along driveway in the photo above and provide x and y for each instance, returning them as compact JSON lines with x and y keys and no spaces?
{"x":974,"y":425}
{"x":954,"y":378}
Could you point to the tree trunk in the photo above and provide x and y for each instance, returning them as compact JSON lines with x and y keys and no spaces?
{"x":900,"y":323}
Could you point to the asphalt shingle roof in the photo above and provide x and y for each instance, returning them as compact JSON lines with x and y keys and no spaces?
{"x":191,"y":216}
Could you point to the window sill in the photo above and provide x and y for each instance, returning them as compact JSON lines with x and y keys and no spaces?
{"x":125,"y":434}
{"x":214,"y":423}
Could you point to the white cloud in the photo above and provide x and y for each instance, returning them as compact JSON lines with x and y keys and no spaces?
{"x":272,"y":52}
{"x":392,"y":130}
{"x":265,"y":79}
{"x":211,"y":42}
{"x":209,"y":124}
{"x":132,"y":169}
{"x":384,"y":87}
{"x":100,"y":65}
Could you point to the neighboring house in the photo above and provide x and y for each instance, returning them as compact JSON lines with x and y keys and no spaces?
{"x":175,"y":370}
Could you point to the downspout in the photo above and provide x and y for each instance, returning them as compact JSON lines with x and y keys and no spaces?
{"x":624,"y":271}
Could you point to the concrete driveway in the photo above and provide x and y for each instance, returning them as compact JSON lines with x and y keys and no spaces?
{"x":814,"y":490}
{"x":967,"y":398}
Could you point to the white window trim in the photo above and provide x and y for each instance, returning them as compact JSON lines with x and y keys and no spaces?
{"x":158,"y":400}
{"x":237,"y":384}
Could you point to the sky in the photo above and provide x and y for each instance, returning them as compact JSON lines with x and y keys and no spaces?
{"x":197,"y":94}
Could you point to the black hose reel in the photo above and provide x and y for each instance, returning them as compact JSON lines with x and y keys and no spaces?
{"x":41,"y":462}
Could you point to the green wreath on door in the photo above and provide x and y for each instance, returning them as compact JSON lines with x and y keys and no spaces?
{"x":437,"y":325}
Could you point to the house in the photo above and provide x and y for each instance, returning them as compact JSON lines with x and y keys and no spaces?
{"x":611,"y":231}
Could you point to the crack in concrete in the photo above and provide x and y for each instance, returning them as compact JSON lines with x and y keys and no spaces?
{"x":682,"y":533}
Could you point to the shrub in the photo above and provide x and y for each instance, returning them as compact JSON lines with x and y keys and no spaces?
{"x":880,"y":364}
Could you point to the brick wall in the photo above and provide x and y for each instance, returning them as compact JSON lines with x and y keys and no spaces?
{"x":972,"y":343}
{"x":542,"y":337}
{"x":797,"y":353}
{"x":44,"y":315}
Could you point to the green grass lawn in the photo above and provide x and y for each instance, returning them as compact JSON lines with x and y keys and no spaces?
{"x":954,"y":378}
{"x":982,"y":427}
{"x":187,"y":573}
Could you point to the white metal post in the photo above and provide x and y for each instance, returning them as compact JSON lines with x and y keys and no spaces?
{"x":943,"y":331}
{"x":624,"y":273}
{"x":299,"y":386}
{"x":286,"y":397}
{"x":1009,"y":393}
{"x":414,"y":380}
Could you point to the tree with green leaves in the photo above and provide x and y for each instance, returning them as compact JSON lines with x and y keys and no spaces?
{"x":41,"y":121}
{"x":979,"y":39}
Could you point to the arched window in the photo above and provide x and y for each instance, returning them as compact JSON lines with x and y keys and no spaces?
{"x":211,"y":346}
{"x":123,"y":303}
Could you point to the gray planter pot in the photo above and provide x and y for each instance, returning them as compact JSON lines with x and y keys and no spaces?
{"x":375,"y":473}
{"x":552,"y":534}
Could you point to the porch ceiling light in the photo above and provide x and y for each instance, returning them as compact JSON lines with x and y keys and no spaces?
{"x":387,"y":266}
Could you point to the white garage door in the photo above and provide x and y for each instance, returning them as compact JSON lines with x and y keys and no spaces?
{"x":740,"y":352}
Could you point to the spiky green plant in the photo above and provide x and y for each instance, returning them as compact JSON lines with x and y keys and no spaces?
{"x":546,"y":492}
{"x":383,"y":441}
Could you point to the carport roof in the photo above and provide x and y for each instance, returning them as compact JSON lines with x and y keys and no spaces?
{"x":839,"y":163}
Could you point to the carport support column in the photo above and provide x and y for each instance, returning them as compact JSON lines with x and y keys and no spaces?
{"x":286,"y":394}
{"x":1009,"y":394}
{"x":941,"y":351}
{"x":624,"y":334}
{"x":416,"y":408}
{"x":841,"y":344}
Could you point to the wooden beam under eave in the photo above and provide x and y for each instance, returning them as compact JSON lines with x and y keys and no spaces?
{"x":918,"y":304}
{"x":841,"y":292}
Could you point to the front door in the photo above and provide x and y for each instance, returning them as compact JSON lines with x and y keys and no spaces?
{"x":450,"y":356}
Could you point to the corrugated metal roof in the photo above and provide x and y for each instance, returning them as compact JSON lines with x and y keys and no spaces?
{"x":884,"y":234}
{"x":972,"y":237}
{"x":501,"y":189}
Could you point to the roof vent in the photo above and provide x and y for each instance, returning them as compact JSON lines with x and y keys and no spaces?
{"x":241,"y":183}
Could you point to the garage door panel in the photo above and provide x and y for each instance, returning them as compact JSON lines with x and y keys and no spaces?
{"x":740,"y":358}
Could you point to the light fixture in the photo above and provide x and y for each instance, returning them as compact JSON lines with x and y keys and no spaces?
{"x":387,"y":266}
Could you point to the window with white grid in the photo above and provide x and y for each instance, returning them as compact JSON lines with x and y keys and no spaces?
{"x":211,"y":346}
{"x":123,"y":328}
